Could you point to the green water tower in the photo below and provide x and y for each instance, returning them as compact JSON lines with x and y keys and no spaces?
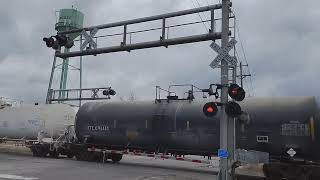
{"x":70,"y":19}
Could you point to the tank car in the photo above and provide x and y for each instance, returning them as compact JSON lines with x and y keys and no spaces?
{"x":275,"y":125}
{"x":27,"y":121}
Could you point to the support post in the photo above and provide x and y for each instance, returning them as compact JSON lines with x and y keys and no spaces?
{"x":124,"y":42}
{"x":224,"y":120}
{"x":163,"y":29}
{"x":80,"y":69}
{"x":212,"y":30}
{"x":51,"y":79}
{"x":241,"y":76}
{"x":64,"y":74}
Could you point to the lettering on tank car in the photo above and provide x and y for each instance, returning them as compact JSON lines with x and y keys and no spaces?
{"x":35,"y":122}
{"x":296,"y":129}
{"x":98,"y":128}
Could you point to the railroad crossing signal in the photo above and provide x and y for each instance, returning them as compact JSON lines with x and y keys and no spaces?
{"x":58,"y":41}
{"x":210,"y":109}
{"x":236,"y":92}
{"x":223,"y":53}
{"x":233,"y":109}
{"x":89,"y":39}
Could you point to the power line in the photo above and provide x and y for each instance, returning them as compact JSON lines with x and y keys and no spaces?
{"x":242,"y":49}
{"x":199,"y":15}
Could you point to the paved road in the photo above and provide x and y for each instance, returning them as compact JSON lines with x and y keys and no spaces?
{"x":131,"y":167}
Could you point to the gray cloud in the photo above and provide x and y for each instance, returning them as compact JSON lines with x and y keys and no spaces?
{"x":280,"y":44}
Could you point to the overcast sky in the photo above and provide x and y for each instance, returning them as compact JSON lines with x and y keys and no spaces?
{"x":280,"y":40}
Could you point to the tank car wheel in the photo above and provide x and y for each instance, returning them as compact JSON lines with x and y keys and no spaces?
{"x":89,"y":156}
{"x":42,"y":153}
{"x":116,"y":157}
{"x":39,"y":152}
{"x":70,"y":155}
{"x":35,"y":153}
{"x":85,"y":156}
{"x":54,"y":154}
{"x":79,"y":157}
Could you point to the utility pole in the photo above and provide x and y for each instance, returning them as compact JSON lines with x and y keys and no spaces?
{"x":224,"y":120}
{"x":242,"y":76}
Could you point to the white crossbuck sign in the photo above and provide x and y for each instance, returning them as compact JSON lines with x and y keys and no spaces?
{"x":89,"y":39}
{"x":223,"y":53}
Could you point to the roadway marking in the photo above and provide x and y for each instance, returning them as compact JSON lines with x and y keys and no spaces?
{"x":9,"y":176}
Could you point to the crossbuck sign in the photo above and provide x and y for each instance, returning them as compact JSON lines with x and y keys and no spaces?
{"x":223,"y":53}
{"x":89,"y":39}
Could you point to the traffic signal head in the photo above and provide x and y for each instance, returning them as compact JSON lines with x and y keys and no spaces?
{"x":233,"y":109}
{"x":61,"y":39}
{"x":112,"y":92}
{"x":210,"y":109}
{"x":58,"y":41}
{"x":49,"y":41}
{"x":236,"y":92}
{"x":108,"y":92}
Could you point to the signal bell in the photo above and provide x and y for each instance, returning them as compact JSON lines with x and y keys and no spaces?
{"x":210,"y":109}
{"x":236,"y":92}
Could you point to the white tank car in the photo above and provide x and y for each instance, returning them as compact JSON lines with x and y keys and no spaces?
{"x":26,"y":121}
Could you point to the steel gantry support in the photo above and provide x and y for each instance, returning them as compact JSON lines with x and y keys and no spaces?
{"x":144,"y":45}
{"x":163,"y":41}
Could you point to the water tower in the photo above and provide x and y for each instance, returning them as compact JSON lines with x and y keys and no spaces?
{"x":69,"y":19}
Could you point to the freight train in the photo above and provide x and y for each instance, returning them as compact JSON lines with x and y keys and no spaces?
{"x":274,"y":125}
{"x":283,"y":127}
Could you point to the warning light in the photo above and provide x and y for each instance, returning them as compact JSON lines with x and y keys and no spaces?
{"x":210,"y":109}
{"x":236,"y":92}
{"x":58,"y":41}
{"x":109,"y":92}
{"x":49,"y":41}
{"x":233,"y":109}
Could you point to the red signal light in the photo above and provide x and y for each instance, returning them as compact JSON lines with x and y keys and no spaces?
{"x":233,"y":109}
{"x":210,"y":109}
{"x":236,"y":92}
